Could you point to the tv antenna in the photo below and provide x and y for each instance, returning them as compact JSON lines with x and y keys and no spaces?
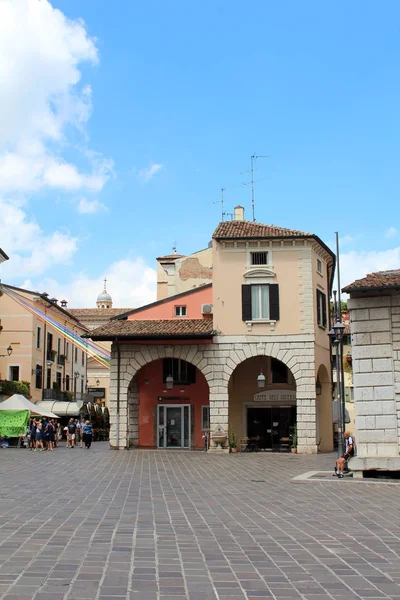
{"x":221,"y":202}
{"x":253,"y":158}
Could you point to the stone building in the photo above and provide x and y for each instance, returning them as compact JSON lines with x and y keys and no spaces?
{"x":374,"y":307}
{"x":246,"y":354}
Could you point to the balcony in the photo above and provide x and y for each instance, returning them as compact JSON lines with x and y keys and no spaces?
{"x":49,"y":394}
{"x":61,"y":360}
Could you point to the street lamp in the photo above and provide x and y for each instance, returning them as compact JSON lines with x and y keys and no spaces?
{"x":261,"y":380}
{"x":9,"y":352}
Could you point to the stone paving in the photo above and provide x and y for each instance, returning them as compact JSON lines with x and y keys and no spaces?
{"x":172,"y":525}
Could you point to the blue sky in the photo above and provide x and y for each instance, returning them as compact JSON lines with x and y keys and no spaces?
{"x":173,"y":98}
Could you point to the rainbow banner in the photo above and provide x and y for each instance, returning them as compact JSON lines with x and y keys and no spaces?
{"x":96,"y":352}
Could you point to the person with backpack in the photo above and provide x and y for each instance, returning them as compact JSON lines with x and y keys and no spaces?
{"x":348,"y":453}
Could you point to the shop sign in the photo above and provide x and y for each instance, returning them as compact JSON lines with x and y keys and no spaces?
{"x":276,"y":396}
{"x":97,"y":392}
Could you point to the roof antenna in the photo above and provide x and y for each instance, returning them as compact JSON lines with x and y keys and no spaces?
{"x":253,"y":158}
{"x":174,"y":248}
{"x":221,"y":202}
{"x":105,"y":285}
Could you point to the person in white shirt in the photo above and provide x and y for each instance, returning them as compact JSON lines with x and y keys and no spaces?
{"x":348,"y":453}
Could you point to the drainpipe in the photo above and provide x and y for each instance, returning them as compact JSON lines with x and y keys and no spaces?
{"x":118,"y":392}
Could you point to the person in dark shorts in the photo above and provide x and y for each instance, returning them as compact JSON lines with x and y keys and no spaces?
{"x":348,"y":453}
{"x":87,"y":434}
{"x":71,"y":433}
{"x":33,"y":435}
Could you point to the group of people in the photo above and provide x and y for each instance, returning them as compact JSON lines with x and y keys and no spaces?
{"x":79,"y":431}
{"x":45,"y":434}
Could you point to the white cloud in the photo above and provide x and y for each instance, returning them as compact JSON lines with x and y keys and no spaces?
{"x":130,"y":282}
{"x":31,"y":251}
{"x":148,"y":172}
{"x":391,"y":233}
{"x":356,"y":265}
{"x":90,"y":207}
{"x":41,"y":52}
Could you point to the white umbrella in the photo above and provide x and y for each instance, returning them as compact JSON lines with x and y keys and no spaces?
{"x":19,"y":402}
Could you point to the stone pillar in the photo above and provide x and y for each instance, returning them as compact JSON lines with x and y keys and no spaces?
{"x":374,"y":372}
{"x":118,"y":424}
{"x":219,"y":410}
{"x":133,"y":413}
{"x":306,"y":426}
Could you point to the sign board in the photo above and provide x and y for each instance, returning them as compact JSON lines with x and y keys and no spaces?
{"x":97,"y":392}
{"x":276,"y":397}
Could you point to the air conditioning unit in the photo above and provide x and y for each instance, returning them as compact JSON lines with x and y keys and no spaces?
{"x":206,"y":309}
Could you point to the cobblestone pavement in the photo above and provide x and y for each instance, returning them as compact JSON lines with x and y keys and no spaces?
{"x":147,"y":525}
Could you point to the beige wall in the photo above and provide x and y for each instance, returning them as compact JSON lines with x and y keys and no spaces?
{"x":229,"y":270}
{"x":184,"y":274}
{"x":20,"y":330}
{"x":96,"y":372}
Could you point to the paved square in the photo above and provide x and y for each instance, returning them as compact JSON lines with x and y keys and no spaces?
{"x":170,"y":525}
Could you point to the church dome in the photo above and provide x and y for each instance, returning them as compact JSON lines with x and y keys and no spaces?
{"x":104,"y":299}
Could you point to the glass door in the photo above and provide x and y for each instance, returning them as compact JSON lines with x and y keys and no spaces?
{"x":174,"y":426}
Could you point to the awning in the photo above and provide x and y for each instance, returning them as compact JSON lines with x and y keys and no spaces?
{"x":19,"y":402}
{"x":63,"y":409}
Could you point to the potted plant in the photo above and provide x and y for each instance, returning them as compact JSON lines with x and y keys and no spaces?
{"x":233,"y":442}
{"x":294,"y":440}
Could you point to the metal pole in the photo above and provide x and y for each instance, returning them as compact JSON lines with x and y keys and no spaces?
{"x":339,"y":400}
{"x":252,"y":186}
{"x":339,"y":319}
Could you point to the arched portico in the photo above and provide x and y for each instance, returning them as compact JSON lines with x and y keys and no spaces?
{"x":140,"y":367}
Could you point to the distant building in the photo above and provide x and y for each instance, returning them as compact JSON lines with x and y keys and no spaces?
{"x":374,"y":307}
{"x":41,"y":356}
{"x":97,"y":375}
{"x":177,"y":273}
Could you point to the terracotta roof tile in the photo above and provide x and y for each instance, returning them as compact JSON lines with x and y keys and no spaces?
{"x":154,"y":329}
{"x":248,"y":229}
{"x":98,"y":312}
{"x":375,"y":281}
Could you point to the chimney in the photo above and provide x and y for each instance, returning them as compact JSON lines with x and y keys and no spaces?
{"x":239,"y":213}
{"x":64,"y":303}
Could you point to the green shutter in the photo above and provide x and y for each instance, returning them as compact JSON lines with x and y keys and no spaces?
{"x":274,"y":302}
{"x":246,"y":303}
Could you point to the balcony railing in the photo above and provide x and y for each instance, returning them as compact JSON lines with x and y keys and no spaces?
{"x":51,"y":355}
{"x":49,"y":394}
{"x":61,"y":360}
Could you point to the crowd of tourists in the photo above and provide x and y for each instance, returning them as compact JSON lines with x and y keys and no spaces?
{"x":47,"y":434}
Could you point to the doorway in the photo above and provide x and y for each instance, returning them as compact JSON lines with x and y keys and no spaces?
{"x":173,"y":426}
{"x":270,"y":424}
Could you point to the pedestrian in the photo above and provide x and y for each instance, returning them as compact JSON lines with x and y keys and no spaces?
{"x":88,"y":434}
{"x":79,"y":432}
{"x":33,"y":434}
{"x":39,"y":437}
{"x":71,"y":433}
{"x":348,"y":453}
{"x":50,"y":435}
{"x":82,"y":424}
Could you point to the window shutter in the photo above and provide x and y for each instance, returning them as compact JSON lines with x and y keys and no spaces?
{"x":246,"y":302}
{"x":319,"y":320}
{"x":274,"y":302}
{"x":324,"y":321}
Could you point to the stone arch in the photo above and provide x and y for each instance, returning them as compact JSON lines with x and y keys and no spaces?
{"x":297,"y":355}
{"x":135,"y":357}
